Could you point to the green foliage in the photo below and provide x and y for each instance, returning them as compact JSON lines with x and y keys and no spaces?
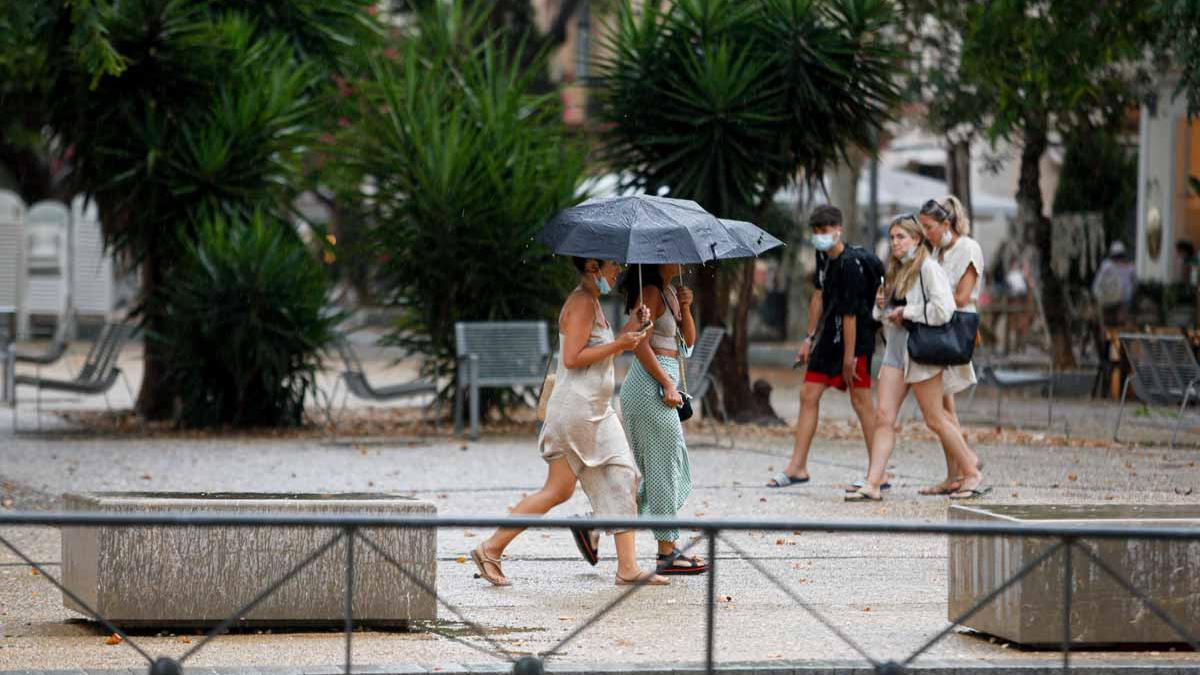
{"x":180,"y":112}
{"x":246,"y":322}
{"x":1099,"y":174}
{"x":1181,"y":40}
{"x":1062,"y":63}
{"x":723,"y":101}
{"x":467,"y":166}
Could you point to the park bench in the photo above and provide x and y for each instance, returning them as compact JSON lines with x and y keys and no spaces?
{"x":97,"y":375}
{"x":496,"y":354}
{"x":355,"y":378}
{"x":1165,"y":372}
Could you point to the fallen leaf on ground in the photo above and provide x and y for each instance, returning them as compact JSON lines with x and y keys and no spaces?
{"x":113,"y":639}
{"x":33,"y":570}
{"x":866,"y":609}
{"x":461,"y":560}
{"x":185,"y":640}
{"x":146,"y":476}
{"x":762,"y":499}
{"x":1072,"y":477}
{"x":566,"y":618}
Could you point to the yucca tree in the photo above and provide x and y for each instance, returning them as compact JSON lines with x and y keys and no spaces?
{"x":467,"y":165}
{"x":727,"y":101}
{"x":177,"y":112}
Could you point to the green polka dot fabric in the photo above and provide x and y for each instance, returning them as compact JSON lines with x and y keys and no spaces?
{"x":656,"y":436}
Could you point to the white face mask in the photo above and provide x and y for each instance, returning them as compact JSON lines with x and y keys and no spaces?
{"x":824,"y":242}
{"x":947,"y":239}
{"x":911,"y":253}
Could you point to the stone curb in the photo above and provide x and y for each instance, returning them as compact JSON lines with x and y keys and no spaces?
{"x":927,"y":667}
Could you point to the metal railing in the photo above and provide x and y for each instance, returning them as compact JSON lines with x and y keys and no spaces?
{"x":349,"y":528}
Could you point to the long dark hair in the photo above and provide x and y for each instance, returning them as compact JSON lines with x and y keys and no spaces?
{"x":629,"y":283}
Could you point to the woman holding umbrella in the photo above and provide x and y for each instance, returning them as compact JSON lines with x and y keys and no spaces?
{"x":582,"y":439}
{"x":650,"y":399}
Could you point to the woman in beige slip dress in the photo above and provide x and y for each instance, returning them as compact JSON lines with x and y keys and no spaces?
{"x":582,"y":439}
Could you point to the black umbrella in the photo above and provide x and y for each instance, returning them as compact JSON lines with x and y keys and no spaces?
{"x":753,"y":240}
{"x":639,"y":229}
{"x":651,"y":230}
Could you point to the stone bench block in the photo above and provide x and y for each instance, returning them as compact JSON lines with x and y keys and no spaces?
{"x":189,"y":576}
{"x":1102,"y":611}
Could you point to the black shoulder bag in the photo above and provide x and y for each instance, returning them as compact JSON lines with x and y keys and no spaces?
{"x":951,"y":344}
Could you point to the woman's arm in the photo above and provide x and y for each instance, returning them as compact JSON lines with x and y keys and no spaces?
{"x":937,"y":306}
{"x":578,"y":316}
{"x":688,"y":325}
{"x":645,"y":352}
{"x":966,"y":286}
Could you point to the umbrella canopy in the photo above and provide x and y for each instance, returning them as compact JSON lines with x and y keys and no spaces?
{"x":753,"y":240}
{"x":640,"y":229}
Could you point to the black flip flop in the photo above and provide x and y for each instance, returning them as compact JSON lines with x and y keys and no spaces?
{"x":666,"y":564}
{"x":583,"y":542}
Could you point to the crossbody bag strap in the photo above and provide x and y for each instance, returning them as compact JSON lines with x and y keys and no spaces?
{"x":924,"y":297}
{"x":679,"y":343}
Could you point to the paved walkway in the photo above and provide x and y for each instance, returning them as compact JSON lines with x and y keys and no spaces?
{"x":889,"y":593}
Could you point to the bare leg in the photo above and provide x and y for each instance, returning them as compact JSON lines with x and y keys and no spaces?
{"x":627,"y":567}
{"x":806,"y":428}
{"x":929,"y":396}
{"x":892,"y":390}
{"x":559,"y":486}
{"x":864,"y":408}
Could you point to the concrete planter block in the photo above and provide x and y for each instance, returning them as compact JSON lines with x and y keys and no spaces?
{"x":1102,"y":611}
{"x":184,"y":576}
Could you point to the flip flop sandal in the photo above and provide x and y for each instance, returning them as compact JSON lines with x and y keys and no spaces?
{"x":783,"y":480}
{"x":860,"y":484}
{"x":973,"y":493}
{"x":861,"y":496}
{"x":667,"y":564}
{"x":644,"y":578}
{"x":583,"y":542}
{"x":482,"y":560}
{"x":940,"y":489}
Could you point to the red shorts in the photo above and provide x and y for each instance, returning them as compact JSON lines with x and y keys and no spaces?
{"x":862,"y":371}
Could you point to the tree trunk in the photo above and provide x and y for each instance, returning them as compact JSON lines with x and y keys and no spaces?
{"x":1038,"y":229}
{"x":843,"y":193}
{"x":958,"y":171}
{"x":732,"y":363}
{"x":155,"y":400}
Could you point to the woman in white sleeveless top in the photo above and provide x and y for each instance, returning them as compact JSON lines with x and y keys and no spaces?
{"x":947,"y":227}
{"x":582,"y":439}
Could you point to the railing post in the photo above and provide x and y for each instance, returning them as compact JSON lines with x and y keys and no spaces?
{"x":350,"y":534}
{"x":710,"y":614}
{"x":1068,"y":580}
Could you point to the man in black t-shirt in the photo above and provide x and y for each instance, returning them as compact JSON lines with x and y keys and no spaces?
{"x":841,"y":336}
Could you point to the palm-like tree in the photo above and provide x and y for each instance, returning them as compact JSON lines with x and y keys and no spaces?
{"x":727,"y":101}
{"x":177,"y":112}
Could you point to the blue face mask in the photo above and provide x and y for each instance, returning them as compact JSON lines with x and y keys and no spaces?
{"x":603,"y":285}
{"x":824,"y":242}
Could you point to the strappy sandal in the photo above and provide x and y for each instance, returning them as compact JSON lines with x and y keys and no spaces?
{"x":482,"y":560}
{"x":668,"y":564}
{"x":585,"y":544}
{"x":644,"y":578}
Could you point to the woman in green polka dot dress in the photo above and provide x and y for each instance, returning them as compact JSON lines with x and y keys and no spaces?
{"x":649,"y":400}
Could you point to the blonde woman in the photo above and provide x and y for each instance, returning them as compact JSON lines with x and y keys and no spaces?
{"x":947,"y":226}
{"x":583,"y":439}
{"x":914,"y":289}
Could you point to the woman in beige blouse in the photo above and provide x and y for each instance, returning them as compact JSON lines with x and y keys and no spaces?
{"x":914,"y":289}
{"x":947,"y":226}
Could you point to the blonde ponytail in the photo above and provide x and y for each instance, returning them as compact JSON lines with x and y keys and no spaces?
{"x":961,"y":222}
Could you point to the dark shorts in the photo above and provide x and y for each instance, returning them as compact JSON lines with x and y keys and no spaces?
{"x":862,"y":369}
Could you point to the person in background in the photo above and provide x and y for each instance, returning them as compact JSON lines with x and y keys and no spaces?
{"x":1114,"y":284}
{"x":947,"y":226}
{"x":916,"y":290}
{"x":841,"y":340}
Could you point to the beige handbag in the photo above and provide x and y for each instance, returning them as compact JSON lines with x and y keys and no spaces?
{"x":547,"y":390}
